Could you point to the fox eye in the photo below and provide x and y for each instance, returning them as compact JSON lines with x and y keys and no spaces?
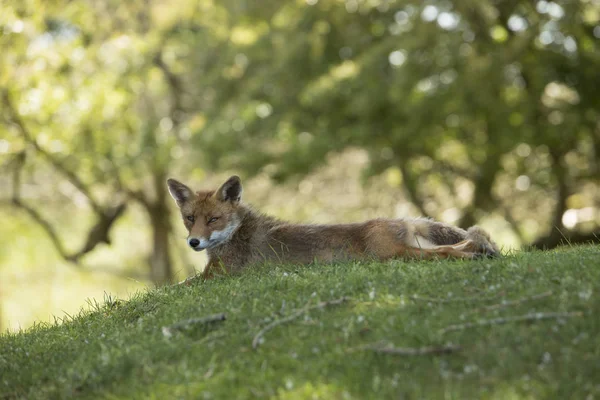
{"x":190,"y":218}
{"x":213,"y":219}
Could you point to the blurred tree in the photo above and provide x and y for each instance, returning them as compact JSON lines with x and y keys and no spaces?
{"x":89,"y":91}
{"x":474,"y":107}
{"x":489,"y":104}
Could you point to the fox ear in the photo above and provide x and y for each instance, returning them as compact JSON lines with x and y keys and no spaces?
{"x":231,"y":190}
{"x":180,"y":192}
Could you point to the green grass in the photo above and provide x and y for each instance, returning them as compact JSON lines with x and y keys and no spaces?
{"x":120,"y":349}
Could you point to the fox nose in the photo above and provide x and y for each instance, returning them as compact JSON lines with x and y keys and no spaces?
{"x":194,"y":243}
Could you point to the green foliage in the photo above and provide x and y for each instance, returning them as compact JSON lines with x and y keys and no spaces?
{"x":446,"y":92}
{"x":474,"y":108}
{"x":119,"y":349}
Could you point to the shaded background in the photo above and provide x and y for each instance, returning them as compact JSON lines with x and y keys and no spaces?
{"x":475,"y":111}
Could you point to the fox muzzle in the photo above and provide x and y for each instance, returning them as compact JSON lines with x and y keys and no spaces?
{"x":198,"y":244}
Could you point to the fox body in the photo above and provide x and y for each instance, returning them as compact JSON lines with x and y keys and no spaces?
{"x":235,"y":236}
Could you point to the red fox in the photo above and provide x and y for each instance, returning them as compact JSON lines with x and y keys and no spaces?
{"x":235,"y":236}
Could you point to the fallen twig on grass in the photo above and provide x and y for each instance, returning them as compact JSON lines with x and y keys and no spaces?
{"x":384,"y":348}
{"x":450,"y":299}
{"x":211,"y":337}
{"x":168,"y":330}
{"x":512,"y":302}
{"x":199,"y":321}
{"x":291,"y":317}
{"x":506,"y":320}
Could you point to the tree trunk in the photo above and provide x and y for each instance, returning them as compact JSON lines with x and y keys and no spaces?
{"x":410,"y":185}
{"x":566,"y":238}
{"x":482,"y":198}
{"x":161,"y":270}
{"x":556,"y":235}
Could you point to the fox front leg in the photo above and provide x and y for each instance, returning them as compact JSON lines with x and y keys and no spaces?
{"x":215,"y":267}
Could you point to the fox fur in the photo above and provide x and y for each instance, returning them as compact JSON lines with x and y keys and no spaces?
{"x":236,"y":236}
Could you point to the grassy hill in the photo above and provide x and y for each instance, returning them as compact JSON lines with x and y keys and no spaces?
{"x":524,"y":326}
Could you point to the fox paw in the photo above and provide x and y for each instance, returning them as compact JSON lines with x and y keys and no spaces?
{"x":481,"y":243}
{"x":480,"y":255}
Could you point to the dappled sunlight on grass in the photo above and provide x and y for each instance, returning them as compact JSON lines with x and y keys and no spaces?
{"x":510,"y":392}
{"x":308,"y":391}
{"x":130,"y":349}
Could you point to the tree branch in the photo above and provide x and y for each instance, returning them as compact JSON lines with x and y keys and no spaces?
{"x":45,"y":225}
{"x":99,"y":232}
{"x":176,"y":88}
{"x":505,"y":320}
{"x":451,"y":299}
{"x":257,"y":339}
{"x":511,"y":303}
{"x":411,"y":189}
{"x":140,"y":197}
{"x":15,"y":118}
{"x":192,"y":323}
{"x":384,"y":348}
{"x":96,"y":235}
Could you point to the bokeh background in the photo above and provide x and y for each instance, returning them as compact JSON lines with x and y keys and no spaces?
{"x":471,"y":111}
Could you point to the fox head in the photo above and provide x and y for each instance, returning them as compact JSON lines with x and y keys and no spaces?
{"x":211,"y":217}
